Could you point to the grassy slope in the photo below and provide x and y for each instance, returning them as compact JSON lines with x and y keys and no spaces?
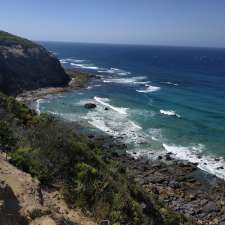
{"x":54,"y":154}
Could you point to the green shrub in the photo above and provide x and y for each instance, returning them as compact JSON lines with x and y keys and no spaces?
{"x":7,"y":138}
{"x":27,"y":160}
{"x":17,"y":109}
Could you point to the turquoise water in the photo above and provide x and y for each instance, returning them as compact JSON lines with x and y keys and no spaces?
{"x":160,"y":99}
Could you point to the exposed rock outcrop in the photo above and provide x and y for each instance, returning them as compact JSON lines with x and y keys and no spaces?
{"x":24,"y":202}
{"x":25,"y":65}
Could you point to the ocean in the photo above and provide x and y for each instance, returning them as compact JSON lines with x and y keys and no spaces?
{"x":154,"y":99}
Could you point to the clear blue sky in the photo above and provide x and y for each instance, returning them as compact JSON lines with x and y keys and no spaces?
{"x":155,"y":22}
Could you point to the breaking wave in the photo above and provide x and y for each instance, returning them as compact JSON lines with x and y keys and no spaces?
{"x":149,"y":88}
{"x":104,"y":101}
{"x":169,"y":113}
{"x":193,"y":155}
{"x":130,"y":80}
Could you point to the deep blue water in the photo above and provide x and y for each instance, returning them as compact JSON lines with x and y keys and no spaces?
{"x":160,"y":99}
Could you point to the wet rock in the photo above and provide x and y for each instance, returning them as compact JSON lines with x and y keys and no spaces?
{"x":106,"y":108}
{"x":90,"y":105}
{"x":220,"y":168}
{"x":168,"y":157}
{"x":160,"y":157}
{"x":174,"y":184}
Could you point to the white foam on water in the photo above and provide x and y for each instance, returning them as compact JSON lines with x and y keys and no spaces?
{"x":104,"y":101}
{"x":82,"y":102}
{"x":53,"y":53}
{"x":115,"y":124}
{"x":82,"y":63}
{"x":136,"y":125}
{"x":192,"y":154}
{"x":116,"y":71}
{"x":170,"y":83}
{"x":100,"y":124}
{"x":85,"y":66}
{"x":149,"y":88}
{"x":37,"y":108}
{"x":93,"y":86}
{"x":63,"y":61}
{"x":169,"y":113}
{"x":97,"y":85}
{"x":74,"y":60}
{"x":130,"y":80}
{"x":155,"y":134}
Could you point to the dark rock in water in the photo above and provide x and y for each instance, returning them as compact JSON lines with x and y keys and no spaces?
{"x":168,"y":156}
{"x":25,"y":65}
{"x":160,"y":157}
{"x":106,"y":108}
{"x":220,"y":168}
{"x":90,"y":106}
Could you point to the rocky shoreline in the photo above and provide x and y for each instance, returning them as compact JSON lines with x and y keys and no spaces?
{"x":78,"y":80}
{"x":180,"y":185}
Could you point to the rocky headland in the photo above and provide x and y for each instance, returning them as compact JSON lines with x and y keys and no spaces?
{"x":25,"y":65}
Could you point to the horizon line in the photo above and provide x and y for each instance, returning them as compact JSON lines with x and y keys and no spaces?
{"x":133,"y":44}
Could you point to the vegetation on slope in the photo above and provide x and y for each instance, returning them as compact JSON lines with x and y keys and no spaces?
{"x":56,"y":155}
{"x":7,"y":38}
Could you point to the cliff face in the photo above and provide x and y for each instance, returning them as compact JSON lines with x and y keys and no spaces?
{"x":25,"y":65}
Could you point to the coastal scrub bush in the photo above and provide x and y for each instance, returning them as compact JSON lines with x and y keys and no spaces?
{"x":17,"y":109}
{"x":26,"y":159}
{"x":6,"y":38}
{"x":7,"y":139}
